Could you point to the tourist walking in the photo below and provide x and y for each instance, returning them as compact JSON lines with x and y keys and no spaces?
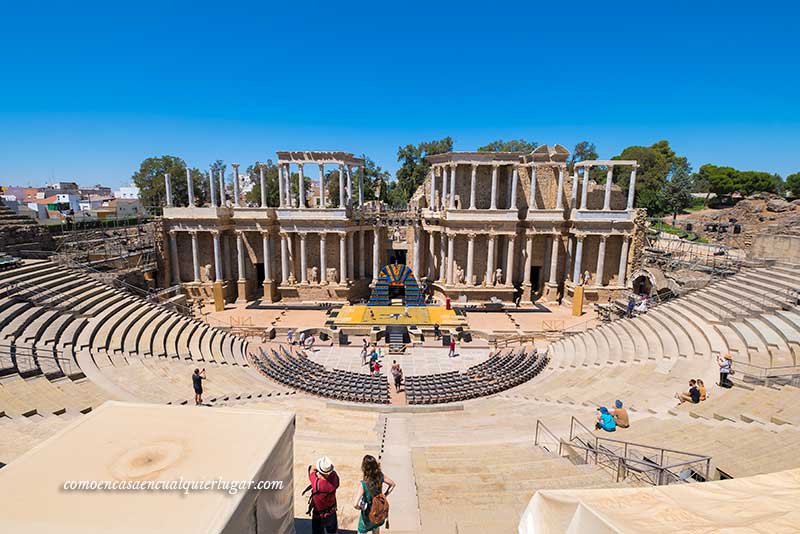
{"x":302,"y":339}
{"x":197,"y":383}
{"x":324,"y":483}
{"x":376,"y":367}
{"x":397,"y":373}
{"x":370,"y":496}
{"x":290,"y":337}
{"x":437,"y":334}
{"x":725,"y":370}
{"x":452,"y":346}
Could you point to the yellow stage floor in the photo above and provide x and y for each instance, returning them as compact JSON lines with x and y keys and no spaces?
{"x":385,"y":315}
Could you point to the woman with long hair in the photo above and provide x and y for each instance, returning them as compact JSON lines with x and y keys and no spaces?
{"x":372,"y":483}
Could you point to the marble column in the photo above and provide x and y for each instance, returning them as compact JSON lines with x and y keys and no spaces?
{"x":321,"y":186}
{"x":493,"y":204}
{"x":601,"y":262}
{"x":623,"y":262}
{"x":470,"y":257}
{"x":472,"y":186}
{"x":376,"y":253}
{"x":168,"y":190}
{"x":190,"y":187}
{"x":263,"y":183}
{"x":343,"y":258}
{"x":576,"y":269}
{"x":350,"y":257}
{"x":362,"y":259}
{"x":453,"y":186}
{"x":609,"y":179}
{"x":443,"y":200}
{"x":568,"y":259}
{"x":433,"y":189}
{"x":303,"y":259}
{"x":266,"y":245}
{"x":217,"y":256}
{"x":532,"y":199}
{"x":221,"y":188}
{"x":323,"y":260}
{"x":431,"y":256}
{"x":195,"y":257}
{"x":514,"y":181}
{"x":631,"y":188}
{"x":341,"y":186}
{"x":417,"y":259}
{"x":585,"y":188}
{"x":349,"y":199}
{"x":490,"y":259}
{"x":574,"y":193}
{"x":442,"y":274}
{"x":554,"y":258}
{"x":560,"y":191}
{"x":301,"y":188}
{"x":284,"y":258}
{"x":236,"y":193}
{"x":173,"y":257}
{"x":212,"y":188}
{"x":526,"y":276}
{"x":281,"y":188}
{"x":227,"y":269}
{"x":360,"y":185}
{"x":509,"y":279}
{"x":240,"y":256}
{"x":451,"y":243}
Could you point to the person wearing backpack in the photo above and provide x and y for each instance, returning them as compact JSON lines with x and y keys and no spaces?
{"x":324,"y":482}
{"x":371,"y":498}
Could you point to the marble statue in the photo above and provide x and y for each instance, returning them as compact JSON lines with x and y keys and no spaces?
{"x":312,"y":275}
{"x":331,"y":275}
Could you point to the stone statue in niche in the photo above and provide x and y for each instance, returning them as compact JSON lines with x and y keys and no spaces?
{"x":331,"y":275}
{"x":498,"y":277}
{"x":206,"y":273}
{"x":459,"y":275}
{"x":586,"y":278}
{"x":312,"y":275}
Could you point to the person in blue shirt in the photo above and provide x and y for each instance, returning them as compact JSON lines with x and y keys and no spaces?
{"x":605,"y":421}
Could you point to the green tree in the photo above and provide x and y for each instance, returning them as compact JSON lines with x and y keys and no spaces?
{"x":270,"y":181}
{"x":150,"y":181}
{"x":657,"y":163}
{"x":583,"y":151}
{"x":721,"y":180}
{"x":513,"y":145}
{"x":677,"y":193}
{"x":414,"y":168}
{"x":376,"y":182}
{"x":793,"y":184}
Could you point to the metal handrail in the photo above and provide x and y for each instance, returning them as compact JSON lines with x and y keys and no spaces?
{"x":540,"y":425}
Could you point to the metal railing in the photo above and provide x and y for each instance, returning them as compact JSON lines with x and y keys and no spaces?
{"x":655,"y":465}
{"x":30,"y":360}
{"x":780,"y":373}
{"x":554,"y":441}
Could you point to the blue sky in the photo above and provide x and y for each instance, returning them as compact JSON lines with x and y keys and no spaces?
{"x":87,"y":92}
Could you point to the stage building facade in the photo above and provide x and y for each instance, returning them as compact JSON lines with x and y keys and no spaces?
{"x":483,"y":225}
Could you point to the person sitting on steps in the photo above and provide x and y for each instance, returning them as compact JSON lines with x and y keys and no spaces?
{"x":693,"y":395}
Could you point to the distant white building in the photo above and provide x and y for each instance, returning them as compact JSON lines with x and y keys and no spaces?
{"x":130,"y":192}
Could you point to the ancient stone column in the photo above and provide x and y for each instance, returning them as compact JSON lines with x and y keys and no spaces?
{"x":349,"y":199}
{"x":362,"y":259}
{"x":532,"y":199}
{"x":560,"y":192}
{"x":451,"y":243}
{"x":267,"y":250}
{"x":623,"y":262}
{"x":601,"y":261}
{"x":168,"y":190}
{"x":431,"y":256}
{"x":284,"y":258}
{"x":221,"y":188}
{"x":376,"y":253}
{"x":442,"y":257}
{"x":217,"y":256}
{"x":444,"y":187}
{"x":342,"y":258}
{"x":301,"y":187}
{"x":609,"y":179}
{"x":470,"y":256}
{"x":526,"y":276}
{"x":303,"y":259}
{"x":190,"y":187}
{"x":281,"y":188}
{"x":568,"y":258}
{"x":576,"y":270}
{"x":213,"y":189}
{"x":236,"y":196}
{"x":417,"y":259}
{"x":510,"y":261}
{"x":554,"y":258}
{"x":514,"y":180}
{"x":322,"y":185}
{"x":585,"y":188}
{"x":493,"y":204}
{"x":574,"y":194}
{"x":360,"y":186}
{"x":241,"y":283}
{"x":323,"y":260}
{"x":227,"y":270}
{"x":489,"y":260}
{"x":195,"y":257}
{"x":453,"y":186}
{"x":350,"y":259}
{"x":263,"y":183}
{"x":632,"y":188}
{"x":341,"y":186}
{"x":433,"y":188}
{"x":472,"y":186}
{"x":173,"y":257}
